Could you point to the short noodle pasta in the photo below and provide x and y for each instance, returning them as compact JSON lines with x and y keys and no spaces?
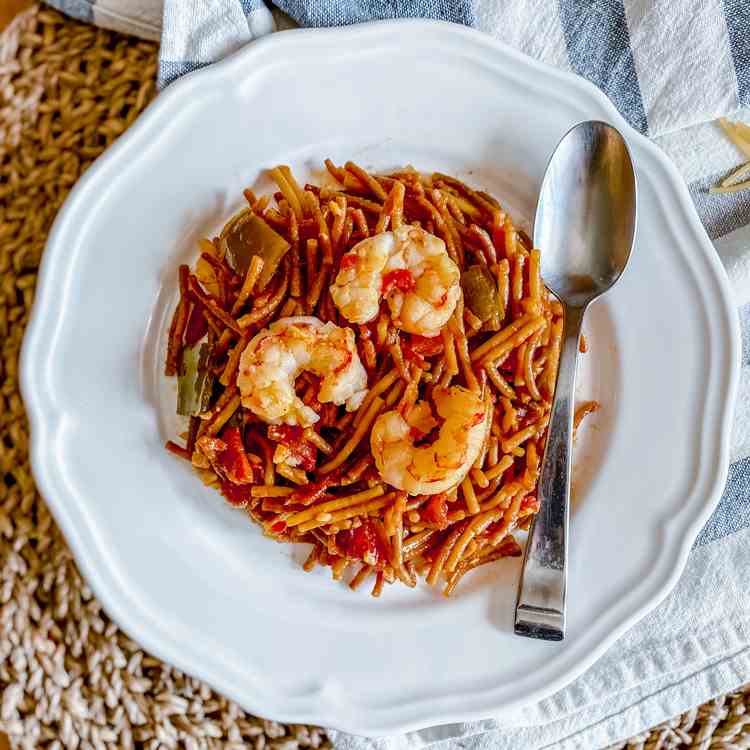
{"x":347,"y":451}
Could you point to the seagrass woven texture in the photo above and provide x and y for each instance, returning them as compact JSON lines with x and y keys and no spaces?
{"x":69,"y":678}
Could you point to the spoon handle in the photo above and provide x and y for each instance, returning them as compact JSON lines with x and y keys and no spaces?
{"x":540,"y":608}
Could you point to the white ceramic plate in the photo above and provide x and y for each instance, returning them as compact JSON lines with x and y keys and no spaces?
{"x":197,"y":584}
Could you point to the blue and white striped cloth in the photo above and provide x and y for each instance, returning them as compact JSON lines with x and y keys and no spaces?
{"x":670,"y":67}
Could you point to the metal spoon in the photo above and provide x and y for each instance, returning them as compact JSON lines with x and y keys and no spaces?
{"x":584,"y":226}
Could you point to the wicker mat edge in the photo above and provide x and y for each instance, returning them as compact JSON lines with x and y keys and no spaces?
{"x":68,"y":676}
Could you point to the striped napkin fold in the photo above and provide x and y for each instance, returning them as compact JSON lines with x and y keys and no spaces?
{"x":670,"y":68}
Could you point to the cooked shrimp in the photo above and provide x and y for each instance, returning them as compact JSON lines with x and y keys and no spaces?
{"x":442,"y":464}
{"x":275,"y":357}
{"x":411,"y":269}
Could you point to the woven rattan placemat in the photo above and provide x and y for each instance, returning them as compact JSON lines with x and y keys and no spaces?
{"x":68,"y":676}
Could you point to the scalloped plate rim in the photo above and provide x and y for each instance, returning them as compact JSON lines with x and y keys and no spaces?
{"x":46,"y":417}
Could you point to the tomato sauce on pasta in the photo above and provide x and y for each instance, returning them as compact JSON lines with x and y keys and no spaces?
{"x":367,"y":367}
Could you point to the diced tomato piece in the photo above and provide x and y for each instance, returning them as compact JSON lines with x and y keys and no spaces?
{"x":363,"y":543}
{"x":436,"y":510}
{"x":286,"y":434}
{"x":236,"y":494}
{"x":234,"y":461}
{"x":400,"y":279}
{"x":196,"y":327}
{"x":291,"y":436}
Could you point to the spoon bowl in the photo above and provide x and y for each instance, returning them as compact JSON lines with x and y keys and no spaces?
{"x":585,"y":217}
{"x":584,"y":227}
